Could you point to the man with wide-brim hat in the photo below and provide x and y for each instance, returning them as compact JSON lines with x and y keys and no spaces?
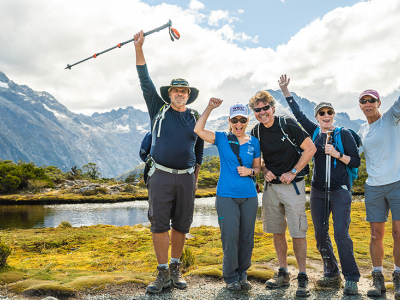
{"x":175,"y":157}
{"x":179,"y":83}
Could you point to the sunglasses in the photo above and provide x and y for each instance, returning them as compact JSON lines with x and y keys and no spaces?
{"x":265,"y":108}
{"x":241,"y":120}
{"x":322,"y":113}
{"x":372,"y":100}
{"x":180,"y":82}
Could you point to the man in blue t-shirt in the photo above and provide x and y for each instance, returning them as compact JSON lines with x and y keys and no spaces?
{"x":176,"y":154}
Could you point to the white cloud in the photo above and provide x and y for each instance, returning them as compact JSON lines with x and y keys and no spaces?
{"x":218,"y":15}
{"x":196,"y":5}
{"x":333,"y":58}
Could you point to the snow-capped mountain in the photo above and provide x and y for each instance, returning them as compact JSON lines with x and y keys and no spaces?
{"x":35,"y":127}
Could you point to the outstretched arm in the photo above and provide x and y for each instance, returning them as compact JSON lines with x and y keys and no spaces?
{"x":307,"y":124}
{"x":139,"y":41}
{"x":205,"y":134}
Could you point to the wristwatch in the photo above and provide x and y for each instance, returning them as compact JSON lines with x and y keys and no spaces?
{"x":294,"y":171}
{"x":340,"y":154}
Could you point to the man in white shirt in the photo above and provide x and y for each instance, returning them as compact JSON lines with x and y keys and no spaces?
{"x":381,"y":141}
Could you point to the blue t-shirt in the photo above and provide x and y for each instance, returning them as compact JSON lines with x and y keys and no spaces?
{"x":230,"y":183}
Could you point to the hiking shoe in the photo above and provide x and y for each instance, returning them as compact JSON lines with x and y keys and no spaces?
{"x":245,"y":285}
{"x":302,"y":286}
{"x":234,"y":286}
{"x":350,"y":288}
{"x":396,"y":285}
{"x":176,"y":276}
{"x":163,"y":280}
{"x":326,"y":281}
{"x":280,"y":279}
{"x":378,"y":284}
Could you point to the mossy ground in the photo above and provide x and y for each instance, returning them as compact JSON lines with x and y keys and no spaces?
{"x":60,"y":197}
{"x":68,"y":259}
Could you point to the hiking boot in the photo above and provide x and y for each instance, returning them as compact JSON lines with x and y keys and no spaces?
{"x":176,"y":276}
{"x":280,"y":279}
{"x":378,"y":284}
{"x":234,"y":286}
{"x":163,"y":280}
{"x":326,"y":281}
{"x":245,"y":285}
{"x":396,"y":285}
{"x":302,"y":286}
{"x":350,"y":288}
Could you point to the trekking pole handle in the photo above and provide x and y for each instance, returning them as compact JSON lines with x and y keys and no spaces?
{"x":328,"y":137}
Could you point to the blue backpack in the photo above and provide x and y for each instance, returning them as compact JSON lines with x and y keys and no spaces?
{"x":338,"y":144}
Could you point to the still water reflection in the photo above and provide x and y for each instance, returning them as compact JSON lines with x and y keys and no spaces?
{"x":118,"y":214}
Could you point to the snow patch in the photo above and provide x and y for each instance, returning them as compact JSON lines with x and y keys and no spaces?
{"x":56,"y":113}
{"x":123,"y":128}
{"x":3,"y":85}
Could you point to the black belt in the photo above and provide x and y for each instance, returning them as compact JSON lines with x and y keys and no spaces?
{"x":277,"y":181}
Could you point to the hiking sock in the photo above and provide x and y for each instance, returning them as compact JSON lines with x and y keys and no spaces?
{"x":163,"y":265}
{"x":302,"y":273}
{"x":378,"y":269}
{"x":285,"y":269}
{"x":174,"y":260}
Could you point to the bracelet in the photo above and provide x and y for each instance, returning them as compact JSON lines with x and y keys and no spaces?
{"x":252,"y":173}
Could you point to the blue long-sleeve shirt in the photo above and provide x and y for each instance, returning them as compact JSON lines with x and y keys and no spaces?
{"x":339,"y":176}
{"x":178,"y":146}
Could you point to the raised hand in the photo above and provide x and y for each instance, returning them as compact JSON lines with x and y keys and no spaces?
{"x":215,"y":102}
{"x":283,"y":81}
{"x":139,"y":39}
{"x":283,"y":84}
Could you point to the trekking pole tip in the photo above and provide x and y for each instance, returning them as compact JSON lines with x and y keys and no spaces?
{"x":68,"y":67}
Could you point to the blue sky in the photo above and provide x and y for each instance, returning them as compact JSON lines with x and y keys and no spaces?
{"x":331,"y":50}
{"x":274,"y":22}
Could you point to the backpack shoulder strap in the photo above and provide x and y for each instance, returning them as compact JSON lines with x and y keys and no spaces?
{"x":283,"y":126}
{"x":235,"y":146}
{"x":255,"y":131}
{"x":195,"y":114}
{"x":160,"y":116}
{"x":316,"y":132}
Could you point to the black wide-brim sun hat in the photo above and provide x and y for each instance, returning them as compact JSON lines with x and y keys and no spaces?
{"x":179,"y":82}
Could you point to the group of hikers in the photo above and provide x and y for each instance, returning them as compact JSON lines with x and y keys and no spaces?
{"x":178,"y":135}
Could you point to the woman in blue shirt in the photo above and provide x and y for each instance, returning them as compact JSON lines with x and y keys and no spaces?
{"x":236,"y":200}
{"x":340,"y":200}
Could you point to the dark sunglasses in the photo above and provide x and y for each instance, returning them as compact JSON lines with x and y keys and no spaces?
{"x":241,"y":120}
{"x":265,"y":108}
{"x":322,"y":113}
{"x":372,"y":100}
{"x":180,"y":82}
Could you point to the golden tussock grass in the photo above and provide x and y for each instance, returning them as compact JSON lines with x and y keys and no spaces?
{"x":93,"y":256}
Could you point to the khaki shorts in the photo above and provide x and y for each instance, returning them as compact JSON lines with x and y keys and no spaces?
{"x":282,"y":208}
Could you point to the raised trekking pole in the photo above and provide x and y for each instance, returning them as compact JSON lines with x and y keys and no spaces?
{"x":324,"y":250}
{"x":173,"y":33}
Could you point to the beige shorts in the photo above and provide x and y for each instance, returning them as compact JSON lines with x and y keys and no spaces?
{"x":282,"y":208}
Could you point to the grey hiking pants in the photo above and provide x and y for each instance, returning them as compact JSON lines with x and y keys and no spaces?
{"x":340,"y":206}
{"x":236,"y":219}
